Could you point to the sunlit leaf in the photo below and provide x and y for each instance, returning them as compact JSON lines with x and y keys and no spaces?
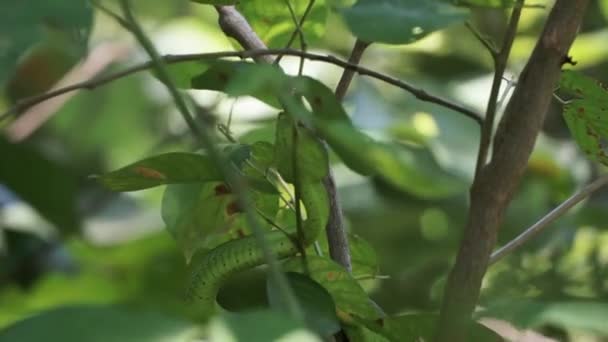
{"x":580,"y":85}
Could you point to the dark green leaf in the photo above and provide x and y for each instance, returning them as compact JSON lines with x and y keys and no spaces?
{"x":170,"y":168}
{"x":316,"y":303}
{"x":99,"y":324}
{"x":241,"y":78}
{"x":27,"y":22}
{"x":44,"y":184}
{"x":400,"y":21}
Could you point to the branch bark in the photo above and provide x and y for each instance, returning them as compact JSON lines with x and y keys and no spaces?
{"x":495,"y":184}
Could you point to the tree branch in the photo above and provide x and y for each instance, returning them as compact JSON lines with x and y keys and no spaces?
{"x":347,"y":76}
{"x":544,"y":222}
{"x":91,"y":84}
{"x":495,"y":184}
{"x":234,"y":25}
{"x":501,"y":58}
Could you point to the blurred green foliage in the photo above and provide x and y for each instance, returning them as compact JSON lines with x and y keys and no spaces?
{"x":557,"y":283}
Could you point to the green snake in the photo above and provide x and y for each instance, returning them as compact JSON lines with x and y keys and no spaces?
{"x":235,"y":256}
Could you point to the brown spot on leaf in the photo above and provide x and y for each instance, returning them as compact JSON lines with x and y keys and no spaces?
{"x":149,"y":173}
{"x":221,"y":189}
{"x":233,"y":208}
{"x":331,"y":276}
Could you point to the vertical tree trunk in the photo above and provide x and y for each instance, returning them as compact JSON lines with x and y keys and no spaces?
{"x":493,"y":189}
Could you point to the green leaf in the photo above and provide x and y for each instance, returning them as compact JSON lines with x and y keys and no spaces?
{"x":588,"y":124}
{"x":362,"y":255}
{"x":182,"y":73}
{"x":316,"y":303}
{"x":411,"y":327}
{"x":25,"y":23}
{"x":169,"y":168}
{"x":46,"y":185}
{"x":202,"y":215}
{"x":400,"y":21}
{"x":258,"y":326}
{"x":99,"y":324}
{"x":197,"y":213}
{"x":345,"y":290}
{"x":586,"y":316}
{"x":322,"y":100}
{"x":579,"y":85}
{"x":216,"y":2}
{"x":312,"y":158}
{"x":272,"y":21}
{"x":242,"y":78}
{"x":408,"y":168}
{"x":485,"y":3}
{"x":256,"y":169}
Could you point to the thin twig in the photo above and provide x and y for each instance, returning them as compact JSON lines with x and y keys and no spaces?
{"x":501,"y":58}
{"x":489,"y":45}
{"x":348,"y":74}
{"x":230,"y":174}
{"x":419,"y":93}
{"x":553,"y":215}
{"x":337,"y":237}
{"x":303,"y":45}
{"x":294,"y":34}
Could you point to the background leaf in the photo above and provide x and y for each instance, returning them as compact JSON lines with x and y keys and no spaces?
{"x":97,"y":324}
{"x":316,"y":303}
{"x":399,"y":21}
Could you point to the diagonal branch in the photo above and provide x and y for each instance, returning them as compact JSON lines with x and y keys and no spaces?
{"x":496,"y":183}
{"x":544,"y":222}
{"x":91,"y":84}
